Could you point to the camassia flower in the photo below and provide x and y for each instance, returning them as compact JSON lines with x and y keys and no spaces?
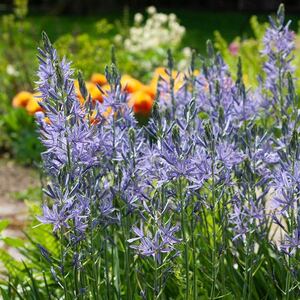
{"x":73,"y":148}
{"x":147,"y":244}
{"x":206,"y":177}
{"x":279,"y":44}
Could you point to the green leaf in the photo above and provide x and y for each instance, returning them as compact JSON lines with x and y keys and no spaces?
{"x":3,"y":224}
{"x":13,"y":242}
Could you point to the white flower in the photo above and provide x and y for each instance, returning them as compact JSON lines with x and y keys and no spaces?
{"x":118,"y":39}
{"x":127,"y":44}
{"x":182,"y":65}
{"x":187,"y":51}
{"x":10,"y":70}
{"x":151,"y":10}
{"x":162,"y":18}
{"x":172,"y":17}
{"x":138,"y":18}
{"x":158,"y":31}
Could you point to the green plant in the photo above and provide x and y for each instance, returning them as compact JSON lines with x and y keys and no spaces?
{"x":89,"y":53}
{"x":17,"y":68}
{"x":31,"y":276}
{"x":20,"y":137}
{"x":179,"y":209}
{"x":248,"y":49}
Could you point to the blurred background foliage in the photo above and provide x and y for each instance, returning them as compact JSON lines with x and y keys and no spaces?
{"x":84,"y":31}
{"x":92,"y":6}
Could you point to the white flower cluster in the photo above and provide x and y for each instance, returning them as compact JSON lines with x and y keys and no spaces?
{"x":157,"y":31}
{"x":183,"y":63}
{"x":12,"y":71}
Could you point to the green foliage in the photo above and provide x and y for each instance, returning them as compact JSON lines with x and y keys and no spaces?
{"x":30,"y":278}
{"x":248,"y":51}
{"x":32,"y":193}
{"x":90,"y":52}
{"x":87,"y":52}
{"x":17,"y":68}
{"x":20,"y":136}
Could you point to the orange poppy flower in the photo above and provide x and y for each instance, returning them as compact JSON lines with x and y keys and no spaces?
{"x":33,"y":106}
{"x":92,"y":89}
{"x":141,"y":102}
{"x":95,"y":93}
{"x":161,"y":73}
{"x":98,"y":78}
{"x":149,"y":90}
{"x":21,"y":99}
{"x":94,"y":120}
{"x":77,"y":92}
{"x":130,"y":84}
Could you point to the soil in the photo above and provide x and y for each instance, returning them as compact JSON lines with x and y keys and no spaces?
{"x":13,"y":179}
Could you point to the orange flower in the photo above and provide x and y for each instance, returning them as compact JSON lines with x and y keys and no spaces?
{"x":94,"y":120}
{"x":95,"y":93}
{"x":92,"y":89}
{"x":47,"y":120}
{"x":149,"y":90}
{"x":130,"y":84}
{"x":161,"y":73}
{"x":77,"y":92}
{"x":33,"y":106}
{"x":107,"y":112}
{"x":105,"y":88}
{"x":98,"y":78}
{"x":196,"y":73}
{"x":141,"y":102}
{"x":21,"y":99}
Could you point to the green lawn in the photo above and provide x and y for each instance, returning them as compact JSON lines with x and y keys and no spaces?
{"x":200,"y":25}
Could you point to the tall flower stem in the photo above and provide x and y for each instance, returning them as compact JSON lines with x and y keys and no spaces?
{"x":224,"y":219}
{"x":95,"y":241}
{"x":155,"y":280}
{"x":291,"y":228}
{"x":184,"y":237}
{"x":213,"y":208}
{"x":63,"y":264}
{"x":248,"y":269}
{"x":288,"y":277}
{"x":106,"y":267}
{"x":125,"y":229}
{"x":194,"y":259}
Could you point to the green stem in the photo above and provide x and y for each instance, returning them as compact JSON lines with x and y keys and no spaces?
{"x":106,"y":266}
{"x":125,"y":229}
{"x":214,"y":254}
{"x":194,"y":261}
{"x":246,"y":272}
{"x":156,"y":292}
{"x":63,"y":264}
{"x":183,"y":224}
{"x":288,"y":283}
